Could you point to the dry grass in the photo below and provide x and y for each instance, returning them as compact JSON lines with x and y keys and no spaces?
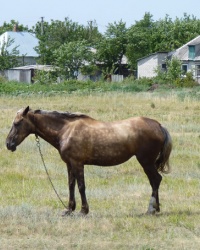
{"x":118,"y":196}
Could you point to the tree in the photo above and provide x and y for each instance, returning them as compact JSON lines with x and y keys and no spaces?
{"x":8,"y":59}
{"x":139,"y":39}
{"x":112,"y":47}
{"x":70,"y":57}
{"x":148,"y":36}
{"x":168,"y":35}
{"x":92,"y":34}
{"x":174,"y":70}
{"x":57,"y":33}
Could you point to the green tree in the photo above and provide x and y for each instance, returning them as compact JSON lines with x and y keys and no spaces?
{"x":70,"y":57}
{"x":174,"y":70}
{"x":8,"y":58}
{"x":139,"y":39}
{"x":112,"y":47}
{"x":148,"y":36}
{"x":91,"y":33}
{"x":169,"y":35}
{"x":53,"y":35}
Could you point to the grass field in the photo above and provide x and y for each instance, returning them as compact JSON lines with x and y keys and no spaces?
{"x":30,"y":213}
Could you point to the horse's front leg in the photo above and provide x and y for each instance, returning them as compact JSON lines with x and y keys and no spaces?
{"x":71,"y":183}
{"x":81,"y":187}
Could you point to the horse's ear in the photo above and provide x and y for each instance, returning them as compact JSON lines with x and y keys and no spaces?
{"x":26,"y":111}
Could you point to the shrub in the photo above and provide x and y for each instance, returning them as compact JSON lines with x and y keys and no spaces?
{"x":187,"y":81}
{"x":44,"y":77}
{"x":2,"y":79}
{"x":145,"y":81}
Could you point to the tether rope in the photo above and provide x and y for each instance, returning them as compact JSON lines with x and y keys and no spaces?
{"x":38,"y":145}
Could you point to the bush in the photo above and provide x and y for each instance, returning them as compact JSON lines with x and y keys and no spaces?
{"x":187,"y":81}
{"x":2,"y":79}
{"x":44,"y":77}
{"x":145,"y":81}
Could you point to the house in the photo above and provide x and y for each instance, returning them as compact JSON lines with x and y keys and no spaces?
{"x":188,"y":54}
{"x":26,"y":43}
{"x":147,"y":65}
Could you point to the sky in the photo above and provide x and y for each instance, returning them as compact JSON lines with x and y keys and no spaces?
{"x":104,"y":12}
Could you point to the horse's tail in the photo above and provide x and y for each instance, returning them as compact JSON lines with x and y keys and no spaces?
{"x":162,"y":161}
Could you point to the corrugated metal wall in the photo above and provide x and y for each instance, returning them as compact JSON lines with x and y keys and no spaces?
{"x":19,"y":75}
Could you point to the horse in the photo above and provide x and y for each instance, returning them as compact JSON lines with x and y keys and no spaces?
{"x":82,"y":140}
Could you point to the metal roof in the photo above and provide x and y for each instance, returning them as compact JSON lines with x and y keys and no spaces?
{"x":36,"y":67}
{"x":25,"y":40}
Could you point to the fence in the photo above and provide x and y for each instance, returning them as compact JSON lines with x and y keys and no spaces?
{"x":117,"y":78}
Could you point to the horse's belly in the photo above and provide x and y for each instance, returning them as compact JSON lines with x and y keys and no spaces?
{"x":109,"y":158}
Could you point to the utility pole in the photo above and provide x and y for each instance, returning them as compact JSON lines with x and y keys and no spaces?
{"x":42,"y":25}
{"x":90,"y":23}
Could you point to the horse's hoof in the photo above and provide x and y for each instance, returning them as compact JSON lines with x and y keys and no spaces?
{"x":151,"y":211}
{"x":157,"y":209}
{"x":84,"y":212}
{"x":66,"y":213}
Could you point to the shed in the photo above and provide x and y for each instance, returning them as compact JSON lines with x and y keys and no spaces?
{"x":25,"y":73}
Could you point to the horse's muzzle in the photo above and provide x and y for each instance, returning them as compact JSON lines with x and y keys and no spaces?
{"x":11,"y":146}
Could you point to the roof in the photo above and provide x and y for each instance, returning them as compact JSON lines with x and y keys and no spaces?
{"x":153,"y":54}
{"x":25,"y":40}
{"x":182,"y":52}
{"x":35,"y":67}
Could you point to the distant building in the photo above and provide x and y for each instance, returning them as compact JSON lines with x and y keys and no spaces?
{"x":188,"y":54}
{"x":26,"y":73}
{"x":147,"y":65}
{"x":26,"y":43}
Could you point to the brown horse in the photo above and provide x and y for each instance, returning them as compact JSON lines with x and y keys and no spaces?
{"x":82,"y":140}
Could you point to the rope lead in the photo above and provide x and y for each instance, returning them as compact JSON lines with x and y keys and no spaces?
{"x":38,"y":145}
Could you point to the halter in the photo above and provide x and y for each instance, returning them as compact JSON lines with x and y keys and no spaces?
{"x":38,"y":145}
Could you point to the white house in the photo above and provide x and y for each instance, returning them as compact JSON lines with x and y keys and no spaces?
{"x":147,"y":65}
{"x":188,"y":54}
{"x":26,"y":43}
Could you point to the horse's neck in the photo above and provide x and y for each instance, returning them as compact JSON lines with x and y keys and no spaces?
{"x":48,"y":129}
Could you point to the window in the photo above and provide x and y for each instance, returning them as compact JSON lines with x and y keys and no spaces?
{"x":184,"y":68}
{"x":164,"y":66}
{"x":191,"y":52}
{"x":198,"y":70}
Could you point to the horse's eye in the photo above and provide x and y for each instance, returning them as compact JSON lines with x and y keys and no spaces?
{"x":17,"y":124}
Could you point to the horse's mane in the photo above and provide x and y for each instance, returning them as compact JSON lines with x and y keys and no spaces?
{"x":61,"y":115}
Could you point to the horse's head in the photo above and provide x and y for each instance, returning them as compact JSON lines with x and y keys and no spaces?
{"x":20,"y":129}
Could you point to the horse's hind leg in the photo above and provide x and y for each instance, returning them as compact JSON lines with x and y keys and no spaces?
{"x":155,"y":179}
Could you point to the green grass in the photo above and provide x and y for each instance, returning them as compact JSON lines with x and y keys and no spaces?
{"x":118,"y":196}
